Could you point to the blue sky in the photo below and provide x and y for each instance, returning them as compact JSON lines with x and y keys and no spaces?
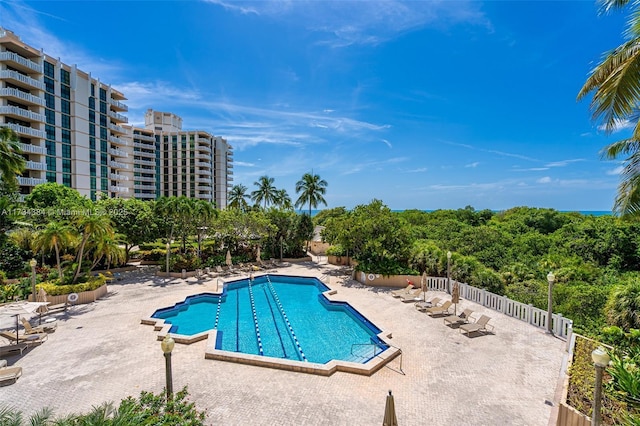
{"x":421,"y":104}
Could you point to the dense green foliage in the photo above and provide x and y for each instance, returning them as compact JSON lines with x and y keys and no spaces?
{"x":148,"y":409}
{"x":595,"y":259}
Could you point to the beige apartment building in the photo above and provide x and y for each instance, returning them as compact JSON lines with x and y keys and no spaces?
{"x":73,"y":131}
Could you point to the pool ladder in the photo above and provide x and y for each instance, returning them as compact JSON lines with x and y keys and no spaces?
{"x":286,"y":320}
{"x":255,"y":320}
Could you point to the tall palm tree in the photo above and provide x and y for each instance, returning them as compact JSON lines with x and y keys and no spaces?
{"x":97,"y":227}
{"x":55,"y":236}
{"x":109,"y":248}
{"x":266,"y":192}
{"x":238,"y":198}
{"x":202,"y":216}
{"x":615,"y":84}
{"x":313,"y":188}
{"x":11,"y":161}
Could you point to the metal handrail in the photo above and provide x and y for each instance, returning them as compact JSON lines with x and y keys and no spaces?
{"x":378,"y":345}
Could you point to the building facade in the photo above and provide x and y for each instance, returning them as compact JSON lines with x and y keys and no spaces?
{"x":73,"y":130}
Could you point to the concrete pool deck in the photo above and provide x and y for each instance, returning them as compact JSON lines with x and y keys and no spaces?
{"x":100,"y":352}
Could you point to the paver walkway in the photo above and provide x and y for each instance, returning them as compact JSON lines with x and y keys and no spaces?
{"x":101,"y":352}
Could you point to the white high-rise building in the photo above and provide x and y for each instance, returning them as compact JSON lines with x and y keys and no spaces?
{"x":72,"y":131}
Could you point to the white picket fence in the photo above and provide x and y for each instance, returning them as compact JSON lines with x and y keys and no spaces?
{"x":561,"y":326}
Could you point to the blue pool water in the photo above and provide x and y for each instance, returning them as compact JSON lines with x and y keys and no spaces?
{"x":280,"y":317}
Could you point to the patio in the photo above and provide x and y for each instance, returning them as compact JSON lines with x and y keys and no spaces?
{"x":100,"y":352}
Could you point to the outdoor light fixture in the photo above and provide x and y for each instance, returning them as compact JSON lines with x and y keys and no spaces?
{"x":601,"y":360}
{"x":449,"y":272}
{"x":167,"y":346}
{"x":168,"y":253}
{"x":33,"y":264}
{"x":550,"y":279}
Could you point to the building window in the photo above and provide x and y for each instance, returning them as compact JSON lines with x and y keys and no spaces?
{"x":66,"y":166}
{"x":92,"y":130}
{"x":51,"y":177}
{"x":103,"y":120}
{"x":104,"y":159}
{"x":103,"y":107}
{"x":49,"y":85}
{"x":64,"y":77}
{"x":103,"y":133}
{"x":92,"y":102}
{"x":104,"y":183}
{"x":93,"y":183}
{"x":65,"y":106}
{"x":93,"y":89}
{"x":51,"y":164}
{"x":50,"y":131}
{"x":92,"y":168}
{"x":66,"y":136}
{"x":51,"y":148}
{"x":92,"y":116}
{"x":92,"y":159}
{"x":104,"y":171}
{"x":65,"y":92}
{"x":49,"y":69}
{"x":92,"y":143}
{"x":103,"y":146}
{"x":103,"y":95}
{"x":50,"y":100}
{"x":66,"y":180}
{"x":50,"y":116}
{"x":66,"y":121}
{"x":66,"y":152}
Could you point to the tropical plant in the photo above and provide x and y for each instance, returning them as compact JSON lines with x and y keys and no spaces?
{"x":238,"y":197}
{"x":283,"y":200}
{"x":55,"y":236}
{"x":615,"y":83}
{"x":266,"y":192}
{"x":202,"y":215}
{"x":11,"y":161}
{"x":94,"y":227}
{"x":311,"y":188}
{"x":623,"y":306}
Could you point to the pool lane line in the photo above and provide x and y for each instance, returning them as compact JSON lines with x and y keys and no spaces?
{"x":238,"y":321}
{"x":286,"y":320}
{"x":255,"y":320}
{"x":275,"y":322}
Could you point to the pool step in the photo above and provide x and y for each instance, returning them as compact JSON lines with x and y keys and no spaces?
{"x":362,"y":353}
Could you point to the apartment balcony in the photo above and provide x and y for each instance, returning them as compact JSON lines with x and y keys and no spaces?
{"x":19,"y":95}
{"x":204,"y":172}
{"x":143,"y":168}
{"x":229,"y":178}
{"x":118,"y":152}
{"x":119,"y":189}
{"x":204,"y":140}
{"x":118,"y":165}
{"x":32,"y":149}
{"x":17,"y":112}
{"x":204,"y":180}
{"x":19,"y":78}
{"x":206,"y":164}
{"x":203,"y":148}
{"x":145,"y":138}
{"x":20,"y":62}
{"x":203,"y":157}
{"x":117,"y":129}
{"x":230,"y":155}
{"x":143,"y":145}
{"x":150,"y":187}
{"x":27,"y":181}
{"x":116,"y":176}
{"x":145,"y":195}
{"x":230,"y":166}
{"x":27,"y":131}
{"x":144,"y":179}
{"x":203,"y":188}
{"x":144,"y":162}
{"x":117,"y":117}
{"x":117,"y":105}
{"x":33,"y":165}
{"x":203,"y":196}
{"x":117,"y":141}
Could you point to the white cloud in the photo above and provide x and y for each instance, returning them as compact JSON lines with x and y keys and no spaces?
{"x":472,"y":165}
{"x":387,"y":143}
{"x":618,"y":170}
{"x":618,"y":126}
{"x":563,"y":163}
{"x":545,"y":179}
{"x":530,"y":169}
{"x":243,"y":164}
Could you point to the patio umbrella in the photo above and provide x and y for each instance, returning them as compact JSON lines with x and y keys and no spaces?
{"x":20,"y":308}
{"x":423,"y":284}
{"x":258,"y":255}
{"x":228,"y":260}
{"x":455,"y":296}
{"x":390,"y":412}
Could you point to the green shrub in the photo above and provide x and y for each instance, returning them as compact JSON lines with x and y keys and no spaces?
{"x":336,"y":250}
{"x":178,"y":262}
{"x":55,"y":290}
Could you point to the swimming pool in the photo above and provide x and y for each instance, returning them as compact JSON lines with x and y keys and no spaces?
{"x":278,"y":316}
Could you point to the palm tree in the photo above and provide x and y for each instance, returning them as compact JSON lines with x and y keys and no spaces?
{"x":97,"y":227}
{"x":623,"y":306}
{"x":11,"y":161}
{"x":616,"y":86}
{"x":238,"y":198}
{"x":55,"y":236}
{"x":202,"y":215}
{"x":283,"y":200}
{"x":266,"y":192}
{"x":111,"y":249}
{"x":313,"y":188}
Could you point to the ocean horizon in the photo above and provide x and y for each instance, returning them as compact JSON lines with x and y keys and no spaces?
{"x":583,"y":212}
